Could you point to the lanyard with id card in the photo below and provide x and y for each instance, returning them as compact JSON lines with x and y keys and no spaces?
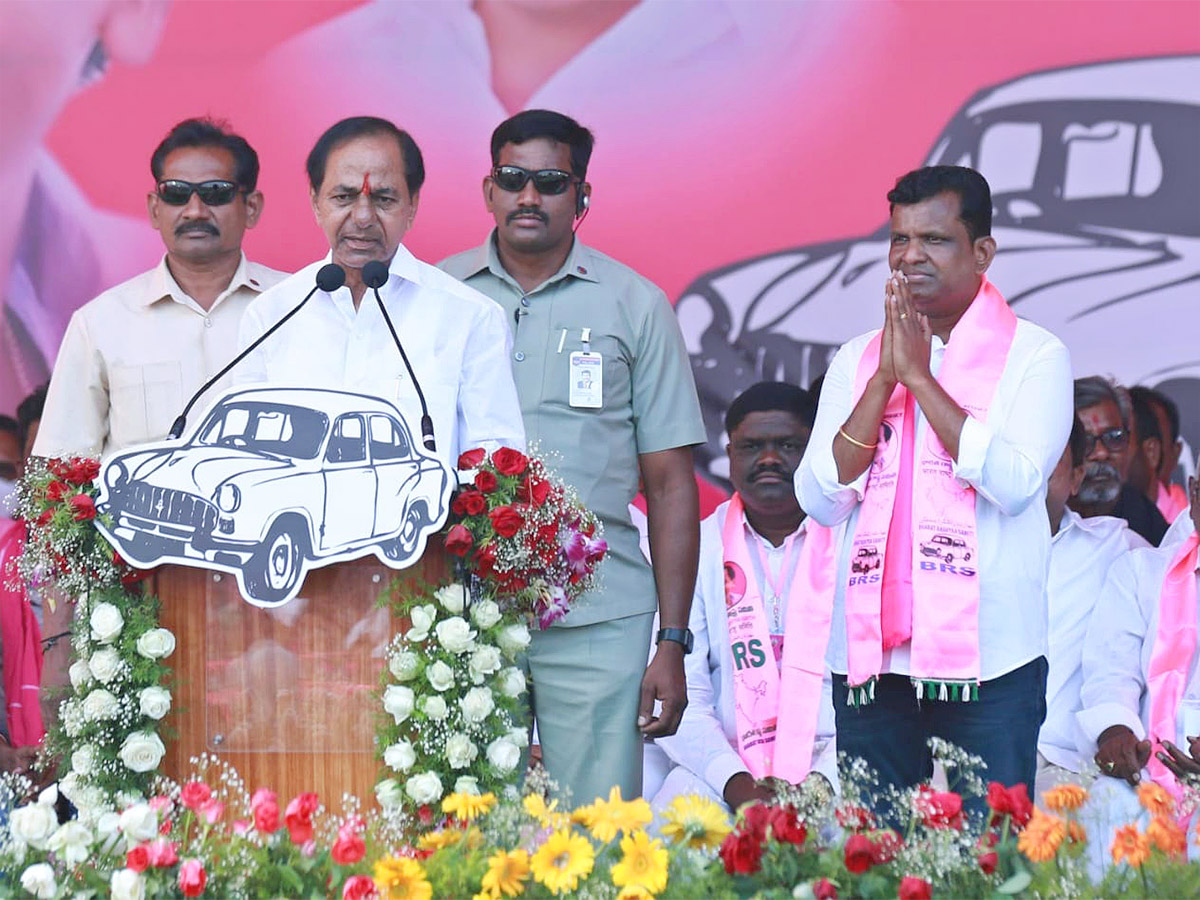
{"x":586,"y":374}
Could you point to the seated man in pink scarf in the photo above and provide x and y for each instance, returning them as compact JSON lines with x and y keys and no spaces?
{"x":933,"y":441}
{"x":733,"y":732}
{"x":1141,"y":677}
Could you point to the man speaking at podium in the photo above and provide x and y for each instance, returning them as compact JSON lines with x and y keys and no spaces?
{"x":365,"y":176}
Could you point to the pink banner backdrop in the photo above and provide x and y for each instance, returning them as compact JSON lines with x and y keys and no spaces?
{"x":743,"y":152}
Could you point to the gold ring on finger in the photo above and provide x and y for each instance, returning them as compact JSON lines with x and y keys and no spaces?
{"x":904,"y":315}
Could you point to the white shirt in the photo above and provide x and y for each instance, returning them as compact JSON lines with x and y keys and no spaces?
{"x":1118,"y":647}
{"x":1080,"y":555}
{"x":1006,"y":459}
{"x":456,"y":339}
{"x":706,"y":742}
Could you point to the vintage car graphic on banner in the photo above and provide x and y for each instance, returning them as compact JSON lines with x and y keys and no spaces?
{"x":275,"y":482}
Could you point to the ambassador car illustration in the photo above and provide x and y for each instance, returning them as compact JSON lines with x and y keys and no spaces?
{"x":865,"y":560}
{"x":946,"y":548}
{"x":275,"y":481}
{"x":1095,"y":178}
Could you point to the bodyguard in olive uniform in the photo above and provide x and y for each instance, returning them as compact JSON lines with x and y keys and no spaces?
{"x":606,"y":390}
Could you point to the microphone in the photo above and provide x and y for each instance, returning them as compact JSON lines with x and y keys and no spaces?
{"x":330,"y":277}
{"x":375,"y":276}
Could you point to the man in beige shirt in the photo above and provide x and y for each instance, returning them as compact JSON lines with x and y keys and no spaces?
{"x":131,"y":358}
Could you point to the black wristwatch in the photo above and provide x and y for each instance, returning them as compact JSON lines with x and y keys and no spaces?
{"x":678,"y":635}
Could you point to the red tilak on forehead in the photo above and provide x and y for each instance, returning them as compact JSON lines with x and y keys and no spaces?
{"x":366,"y":185}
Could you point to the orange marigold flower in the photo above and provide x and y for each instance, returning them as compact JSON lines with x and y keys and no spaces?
{"x":1130,"y":845}
{"x":1076,"y":833}
{"x":1065,"y":797}
{"x":1155,"y":799}
{"x":1042,"y":836}
{"x":1167,"y":836}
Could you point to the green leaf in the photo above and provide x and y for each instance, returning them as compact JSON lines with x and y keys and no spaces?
{"x":288,"y":874}
{"x":1017,"y":883}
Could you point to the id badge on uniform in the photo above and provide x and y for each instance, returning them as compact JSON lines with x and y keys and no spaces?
{"x":587,"y":380}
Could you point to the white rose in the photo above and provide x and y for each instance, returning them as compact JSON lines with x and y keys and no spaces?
{"x":422,"y":618}
{"x":476,"y":704}
{"x":460,"y":752}
{"x":503,"y":754}
{"x":513,"y":638}
{"x":33,"y":824}
{"x":453,"y":597}
{"x":387,"y":793}
{"x":466,"y":784}
{"x":126,"y":884}
{"x":157,"y":643}
{"x":519,"y":736}
{"x":440,"y":676}
{"x":100,"y":704}
{"x":106,"y":621}
{"x":512,"y":682}
{"x":455,"y":634}
{"x":400,"y":756}
{"x":154,"y":701}
{"x":435,"y":707}
{"x":142,"y":751}
{"x":484,"y":661}
{"x":71,"y":842}
{"x":105,"y":664}
{"x":39,"y":880}
{"x":68,"y":786}
{"x":80,"y":673}
{"x":424,"y":788}
{"x":139,"y":823}
{"x":485,"y":613}
{"x":398,"y":702}
{"x":405,"y":665}
{"x":83,"y":760}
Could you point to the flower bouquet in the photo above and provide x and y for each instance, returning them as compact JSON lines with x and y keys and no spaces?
{"x":523,"y":534}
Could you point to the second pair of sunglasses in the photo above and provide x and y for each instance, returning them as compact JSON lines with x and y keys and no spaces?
{"x":547,"y":181}
{"x":212,"y":193}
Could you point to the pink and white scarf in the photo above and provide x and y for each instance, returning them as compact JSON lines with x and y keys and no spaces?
{"x":920,"y":520}
{"x":776,"y":739}
{"x":22,"y":644}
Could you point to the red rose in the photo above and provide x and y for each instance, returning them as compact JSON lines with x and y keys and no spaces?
{"x":45,"y":517}
{"x":57,"y":490}
{"x":854,"y":818}
{"x":472,"y":458}
{"x":83,"y":507}
{"x":885,"y":846}
{"x":359,"y":887}
{"x":485,"y":561}
{"x":83,"y":470}
{"x":162,"y":852}
{"x":859,"y":855}
{"x":741,"y":852}
{"x":1013,"y":801}
{"x":506,"y":520}
{"x":425,"y":814}
{"x":824,"y":889}
{"x":138,"y":859}
{"x":914,"y":889}
{"x":468,"y":503}
{"x":192,"y":878}
{"x":195,"y":794}
{"x":534,"y":491}
{"x":988,"y":862}
{"x":755,"y":820}
{"x":298,"y":817}
{"x":348,"y":849}
{"x":59,"y":468}
{"x":266,"y":817}
{"x":939,"y":809}
{"x":510,"y":462}
{"x":485,"y":481}
{"x":458,"y":540}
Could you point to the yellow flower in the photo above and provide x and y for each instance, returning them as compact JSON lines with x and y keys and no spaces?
{"x":1065,"y":797}
{"x":607,"y":818}
{"x":696,"y":821}
{"x":439,"y":840}
{"x":562,"y":861}
{"x":1155,"y":799}
{"x":634,"y":892}
{"x":468,"y":807}
{"x":1167,"y":836}
{"x":1042,"y":836}
{"x":506,"y":873}
{"x":401,"y":878}
{"x":1131,"y":846}
{"x":547,"y":814}
{"x":644,"y":863}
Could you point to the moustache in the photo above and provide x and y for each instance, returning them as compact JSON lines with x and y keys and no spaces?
{"x":1101,"y":471}
{"x":770,"y":470}
{"x":202,"y":227}
{"x":528,"y":214}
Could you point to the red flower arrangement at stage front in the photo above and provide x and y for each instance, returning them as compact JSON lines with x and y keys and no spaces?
{"x":524,"y":534}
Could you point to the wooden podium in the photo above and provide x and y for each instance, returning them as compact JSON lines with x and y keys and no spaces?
{"x":284,"y":695}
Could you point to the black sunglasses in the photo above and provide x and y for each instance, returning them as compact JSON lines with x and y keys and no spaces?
{"x":1114,"y":440}
{"x":212,"y":193}
{"x":547,"y":181}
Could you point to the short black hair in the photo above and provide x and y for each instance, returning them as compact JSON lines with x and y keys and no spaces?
{"x":545,"y":123}
{"x":974,"y":195}
{"x":1143,"y":413}
{"x":1077,"y":443}
{"x":30,"y":409}
{"x":768,"y":396}
{"x":1092,"y":390}
{"x":1169,"y":407}
{"x":209,"y":133}
{"x":365,"y":126}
